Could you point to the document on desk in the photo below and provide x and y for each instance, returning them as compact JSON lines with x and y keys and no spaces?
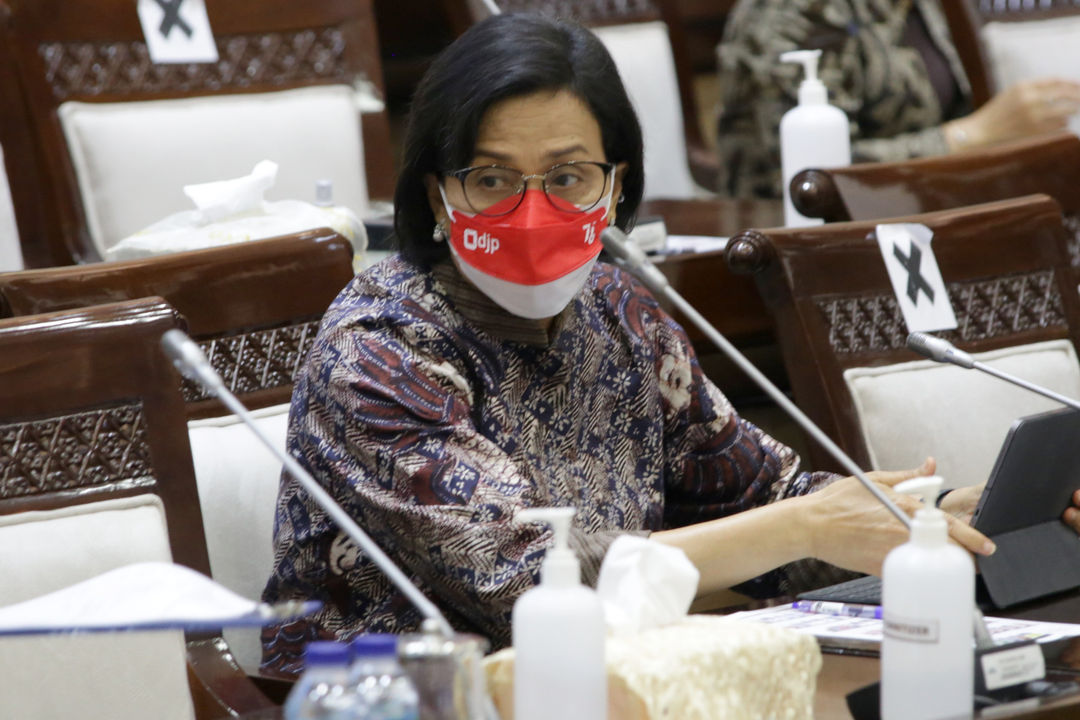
{"x":865,"y":633}
{"x":677,"y":244}
{"x":143,"y":596}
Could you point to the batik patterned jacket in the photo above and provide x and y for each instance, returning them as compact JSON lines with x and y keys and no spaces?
{"x":432,"y":422}
{"x":880,"y":83}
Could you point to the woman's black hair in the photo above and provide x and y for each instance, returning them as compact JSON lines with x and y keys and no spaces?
{"x":502,"y":57}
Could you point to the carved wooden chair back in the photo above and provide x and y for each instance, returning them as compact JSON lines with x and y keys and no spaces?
{"x":90,"y":413}
{"x":96,"y":54}
{"x":843,"y":336}
{"x":703,"y":162}
{"x":254,"y":307}
{"x":1047,"y":164}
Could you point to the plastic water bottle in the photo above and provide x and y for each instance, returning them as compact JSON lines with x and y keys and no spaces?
{"x":380,"y":688}
{"x":321,"y":693}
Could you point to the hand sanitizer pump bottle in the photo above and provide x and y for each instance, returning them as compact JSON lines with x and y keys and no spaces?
{"x":928,"y":599}
{"x":558,"y":636}
{"x":813,"y":134}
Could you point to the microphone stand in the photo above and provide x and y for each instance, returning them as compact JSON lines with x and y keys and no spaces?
{"x":192,"y":363}
{"x":943,"y":351}
{"x":634,"y":259}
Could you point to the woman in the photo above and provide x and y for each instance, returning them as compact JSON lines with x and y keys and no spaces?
{"x":497,"y":365}
{"x":889,"y":64}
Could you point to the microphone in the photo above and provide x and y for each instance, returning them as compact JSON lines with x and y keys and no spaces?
{"x":190,"y":360}
{"x":943,"y":351}
{"x":634,"y":259}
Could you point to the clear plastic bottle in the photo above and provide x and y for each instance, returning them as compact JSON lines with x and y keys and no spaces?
{"x":380,"y":688}
{"x":928,"y":601}
{"x":321,"y":692}
{"x":558,"y":634}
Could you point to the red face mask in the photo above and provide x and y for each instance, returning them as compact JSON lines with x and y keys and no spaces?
{"x":535,"y":244}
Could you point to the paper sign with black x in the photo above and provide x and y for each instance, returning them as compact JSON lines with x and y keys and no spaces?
{"x":177,"y":31}
{"x":915,"y":277}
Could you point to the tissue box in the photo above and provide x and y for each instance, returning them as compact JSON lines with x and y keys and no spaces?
{"x":704,"y":667}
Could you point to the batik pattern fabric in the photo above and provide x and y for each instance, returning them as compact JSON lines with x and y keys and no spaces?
{"x":880,"y":82}
{"x":432,"y":432}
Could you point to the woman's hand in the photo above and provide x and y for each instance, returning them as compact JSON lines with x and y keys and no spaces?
{"x":849,"y":527}
{"x":1024,"y":109}
{"x":961,"y":502}
{"x":1071,"y":516}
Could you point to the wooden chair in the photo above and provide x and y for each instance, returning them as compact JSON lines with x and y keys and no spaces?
{"x":254,"y":308}
{"x":843,"y":336}
{"x":75,"y":62}
{"x":92,"y":446}
{"x":1046,"y":164}
{"x":604,"y":16}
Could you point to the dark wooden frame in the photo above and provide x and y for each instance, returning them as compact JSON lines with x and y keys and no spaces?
{"x":95,"y":52}
{"x":832,"y":301}
{"x":254,"y":307}
{"x":106,"y":361}
{"x":1044,"y":164}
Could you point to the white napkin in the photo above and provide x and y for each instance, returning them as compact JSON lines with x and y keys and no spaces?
{"x":645,"y":584}
{"x":227,"y":198}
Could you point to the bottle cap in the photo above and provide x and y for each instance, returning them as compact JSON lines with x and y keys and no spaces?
{"x":560,"y":566}
{"x":929,"y":523}
{"x":325,"y":652}
{"x":812,"y":91}
{"x":374,"y":645}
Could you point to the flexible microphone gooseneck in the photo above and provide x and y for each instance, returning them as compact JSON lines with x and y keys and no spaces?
{"x":192,"y":363}
{"x":943,"y":351}
{"x":634,"y":259}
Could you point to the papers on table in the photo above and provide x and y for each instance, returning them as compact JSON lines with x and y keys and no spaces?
{"x":143,"y":596}
{"x":692,"y":244}
{"x":866,"y":633}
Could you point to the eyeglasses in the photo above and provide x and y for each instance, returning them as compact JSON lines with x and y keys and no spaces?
{"x":495,"y":190}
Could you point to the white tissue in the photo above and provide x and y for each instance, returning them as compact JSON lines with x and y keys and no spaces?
{"x":645,"y":584}
{"x":226,"y":198}
{"x":233,"y":211}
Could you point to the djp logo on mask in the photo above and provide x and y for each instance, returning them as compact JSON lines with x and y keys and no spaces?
{"x":482,"y":242}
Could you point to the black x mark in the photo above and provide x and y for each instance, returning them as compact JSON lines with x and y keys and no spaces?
{"x":172,"y":18}
{"x":915,"y":281}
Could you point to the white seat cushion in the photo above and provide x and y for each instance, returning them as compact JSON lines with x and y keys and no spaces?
{"x":132,"y":159}
{"x":100,"y":676}
{"x":10,"y":251}
{"x":1033,"y":49}
{"x":238,"y":481}
{"x":914,"y":409}
{"x":642,"y":53}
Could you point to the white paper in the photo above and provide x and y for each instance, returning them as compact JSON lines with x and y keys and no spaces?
{"x":151,"y":595}
{"x":693,"y":243}
{"x":867,"y":632}
{"x":916,"y":279}
{"x":177,"y":31}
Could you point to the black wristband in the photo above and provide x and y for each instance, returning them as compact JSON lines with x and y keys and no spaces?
{"x":941,"y":496}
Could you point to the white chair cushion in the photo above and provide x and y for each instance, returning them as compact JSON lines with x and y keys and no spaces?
{"x":99,"y":676}
{"x":10,"y":251}
{"x":1032,"y":49}
{"x":910,"y":410}
{"x":132,"y":159}
{"x":238,"y":481}
{"x":642,"y":53}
